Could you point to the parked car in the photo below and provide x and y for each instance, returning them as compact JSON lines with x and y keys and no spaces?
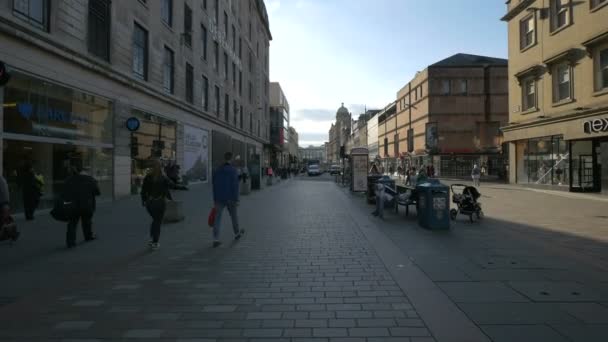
{"x":334,"y":170}
{"x":314,"y":170}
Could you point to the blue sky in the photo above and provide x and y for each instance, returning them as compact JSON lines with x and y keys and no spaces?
{"x":361,"y":52}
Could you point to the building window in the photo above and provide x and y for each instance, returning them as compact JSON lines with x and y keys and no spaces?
{"x":99,"y":28}
{"x":226,"y":24}
{"x":561,"y":82}
{"x":463,"y":87}
{"x":187,"y":26}
{"x":233,"y":38}
{"x":225,"y":66}
{"x":529,"y":94}
{"x":205,"y":94}
{"x":259,"y":128}
{"x":251,"y":123}
{"x":241,"y":117}
{"x":217,"y":101}
{"x":527,"y":32}
{"x":217,"y":12}
{"x":250,"y":92}
{"x":204,"y":36}
{"x":445,"y":87}
{"x":602,"y":68}
{"x":189,"y":83}
{"x":250,"y":61}
{"x":250,"y":31}
{"x":140,"y":52}
{"x":560,"y":14}
{"x":240,"y":83}
{"x":420,"y":91}
{"x":216,"y":56}
{"x":205,"y":4}
{"x":166,"y":12}
{"x":240,"y":48}
{"x":226,"y":107}
{"x":235,"y":109}
{"x":35,"y":12}
{"x":168,"y":70}
{"x":597,"y":3}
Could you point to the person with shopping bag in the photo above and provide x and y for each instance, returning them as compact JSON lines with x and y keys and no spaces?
{"x":226,"y":195}
{"x":154,"y":193}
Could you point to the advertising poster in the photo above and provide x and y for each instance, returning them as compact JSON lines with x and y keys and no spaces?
{"x":196,"y":154}
{"x":360,"y":165}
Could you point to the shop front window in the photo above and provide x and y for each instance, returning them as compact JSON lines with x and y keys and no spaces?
{"x":51,"y":164}
{"x":543,"y":161}
{"x":37,"y":108}
{"x":154,"y":140}
{"x":582,"y":165}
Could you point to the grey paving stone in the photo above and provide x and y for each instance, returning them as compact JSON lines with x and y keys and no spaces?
{"x":368,"y":332}
{"x":522,"y":333}
{"x":590,"y":313}
{"x":410,"y":322}
{"x":376,"y":322}
{"x":143,"y":333}
{"x":296,"y":315}
{"x":322,"y":314}
{"x":330,"y":332}
{"x":74,"y":325}
{"x":481,"y":292}
{"x":409,"y":331}
{"x":262,"y":332}
{"x":297,"y":332}
{"x":166,"y":316}
{"x":219,"y":308}
{"x":89,"y":302}
{"x":278,"y":323}
{"x":264,"y":315}
{"x":516,"y":313}
{"x":311,"y":323}
{"x":583,"y":333}
{"x":353,"y":314}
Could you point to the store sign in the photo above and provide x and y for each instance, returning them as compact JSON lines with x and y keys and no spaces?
{"x":133,"y":124}
{"x":596,"y":126}
{"x":29,"y":111}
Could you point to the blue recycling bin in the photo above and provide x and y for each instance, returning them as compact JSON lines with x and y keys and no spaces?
{"x":433,"y":205}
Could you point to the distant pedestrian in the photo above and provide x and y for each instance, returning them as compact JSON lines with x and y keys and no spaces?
{"x":80,"y":190}
{"x":31,"y":189}
{"x":379,"y":191}
{"x":226,"y":195}
{"x":5,"y":199}
{"x":421,"y":177}
{"x":476,"y":175}
{"x":154,"y":193}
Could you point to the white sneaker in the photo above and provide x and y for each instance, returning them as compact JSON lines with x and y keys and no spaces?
{"x":155,"y":245}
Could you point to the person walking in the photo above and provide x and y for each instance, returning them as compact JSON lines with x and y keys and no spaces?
{"x":154,"y":193}
{"x":226,"y":195}
{"x":476,"y":175}
{"x":30,"y":189}
{"x":80,"y":190}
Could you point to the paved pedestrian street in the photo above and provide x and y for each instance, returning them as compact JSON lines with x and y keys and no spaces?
{"x":314,"y":265}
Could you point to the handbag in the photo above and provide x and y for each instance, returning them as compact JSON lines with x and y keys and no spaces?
{"x":211,"y":218}
{"x":62,"y":210}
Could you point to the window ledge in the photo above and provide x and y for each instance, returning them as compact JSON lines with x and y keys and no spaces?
{"x":598,"y":7}
{"x":529,"y":111}
{"x":167,"y":26}
{"x":601,"y":92}
{"x":524,"y":49}
{"x":559,"y":29}
{"x":563,"y":102}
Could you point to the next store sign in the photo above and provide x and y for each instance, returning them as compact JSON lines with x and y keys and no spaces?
{"x":596,"y":126}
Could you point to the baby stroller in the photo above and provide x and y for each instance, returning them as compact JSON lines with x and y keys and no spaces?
{"x":465,"y":197}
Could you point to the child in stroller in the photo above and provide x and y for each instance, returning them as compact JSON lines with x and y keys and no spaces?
{"x":465,"y":197}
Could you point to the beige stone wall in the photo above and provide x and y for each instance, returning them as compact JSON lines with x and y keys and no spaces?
{"x":586,"y":24}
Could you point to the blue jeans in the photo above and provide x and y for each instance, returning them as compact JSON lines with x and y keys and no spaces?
{"x":218,"y":218}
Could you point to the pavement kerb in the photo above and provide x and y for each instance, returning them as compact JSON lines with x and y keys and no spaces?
{"x":442,"y":316}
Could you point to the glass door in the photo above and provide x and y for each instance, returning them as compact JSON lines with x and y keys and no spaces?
{"x":583,"y":167}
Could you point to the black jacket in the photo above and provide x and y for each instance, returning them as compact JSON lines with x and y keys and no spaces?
{"x":81,"y":190}
{"x":155,"y":189}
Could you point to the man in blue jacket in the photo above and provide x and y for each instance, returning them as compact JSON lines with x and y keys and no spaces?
{"x":226,"y":195}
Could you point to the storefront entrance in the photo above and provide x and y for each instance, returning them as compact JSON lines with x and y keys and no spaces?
{"x":585,"y":169}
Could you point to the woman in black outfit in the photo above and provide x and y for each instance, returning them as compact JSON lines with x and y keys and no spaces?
{"x":154,"y":192}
